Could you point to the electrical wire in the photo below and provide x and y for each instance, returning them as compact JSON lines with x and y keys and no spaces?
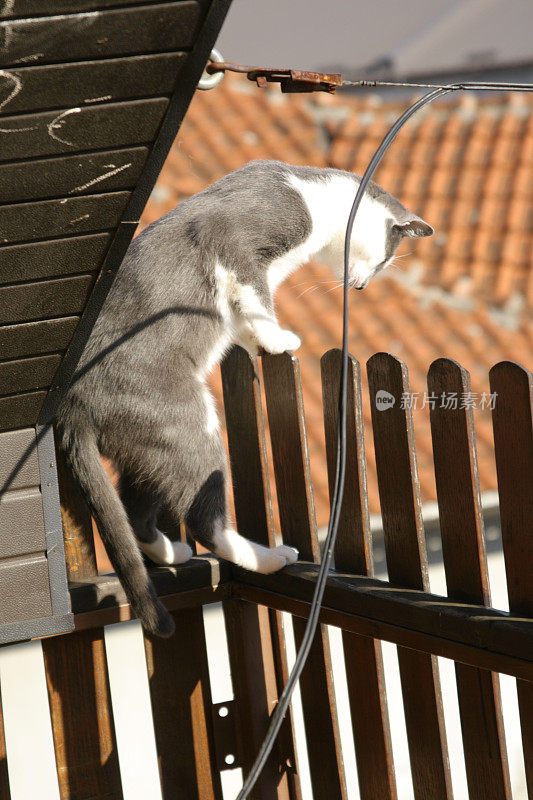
{"x":340,"y":469}
{"x":477,"y":86}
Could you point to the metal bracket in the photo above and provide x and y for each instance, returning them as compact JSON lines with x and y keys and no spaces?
{"x":227,"y":751}
{"x":211,"y":79}
{"x":290,"y":80}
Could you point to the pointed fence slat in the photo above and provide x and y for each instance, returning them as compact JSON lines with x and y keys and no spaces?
{"x":353,"y":553}
{"x":465,"y":564}
{"x":256,"y":640}
{"x":181,"y":704}
{"x":399,"y":493}
{"x":283,"y":390}
{"x":512,"y":418}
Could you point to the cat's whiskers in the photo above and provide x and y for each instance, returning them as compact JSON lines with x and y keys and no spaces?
{"x":302,"y":283}
{"x":334,"y":287}
{"x":314,"y":287}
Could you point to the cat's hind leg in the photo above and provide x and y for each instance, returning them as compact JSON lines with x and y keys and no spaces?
{"x":206,"y":520}
{"x":142,"y":507}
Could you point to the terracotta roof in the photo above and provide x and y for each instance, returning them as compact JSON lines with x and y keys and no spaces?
{"x":465,"y":165}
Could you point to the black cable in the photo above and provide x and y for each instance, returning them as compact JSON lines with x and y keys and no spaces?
{"x":340,"y":472}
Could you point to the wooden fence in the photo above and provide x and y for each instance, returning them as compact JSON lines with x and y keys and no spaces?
{"x":89,"y":704}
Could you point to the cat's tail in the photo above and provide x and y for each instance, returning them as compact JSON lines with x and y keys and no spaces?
{"x":82,"y":454}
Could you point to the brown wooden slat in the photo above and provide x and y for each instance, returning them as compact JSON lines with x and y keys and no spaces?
{"x":512,"y":418}
{"x":33,"y":8}
{"x":82,"y":721}
{"x":18,"y":451}
{"x":465,"y":564}
{"x":71,"y":175}
{"x":296,"y":508}
{"x":93,"y":127}
{"x":256,"y":643}
{"x":47,"y":219}
{"x":82,"y":83}
{"x":399,"y":493}
{"x":100,"y":34}
{"x":21,"y":410}
{"x":353,"y":553}
{"x":22,"y":523}
{"x":61,"y":297}
{"x":33,"y":338}
{"x":181,"y":705}
{"x":26,"y":262}
{"x":28,"y":373}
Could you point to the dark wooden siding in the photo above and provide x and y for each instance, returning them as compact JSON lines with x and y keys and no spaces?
{"x":84,"y":90}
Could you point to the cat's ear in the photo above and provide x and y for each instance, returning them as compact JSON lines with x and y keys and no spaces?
{"x":414,"y":226}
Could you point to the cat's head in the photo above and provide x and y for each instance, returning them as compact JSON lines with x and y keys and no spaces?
{"x":380,"y":225}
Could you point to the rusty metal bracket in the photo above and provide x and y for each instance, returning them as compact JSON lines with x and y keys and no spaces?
{"x":227,"y":751}
{"x":290,"y":80}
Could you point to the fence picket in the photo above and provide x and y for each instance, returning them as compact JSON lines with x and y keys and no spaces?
{"x":405,"y":548}
{"x":256,"y":642}
{"x":512,"y":419}
{"x":463,"y":548}
{"x":283,"y":391}
{"x":181,"y":704}
{"x":353,"y":553}
{"x":82,"y":720}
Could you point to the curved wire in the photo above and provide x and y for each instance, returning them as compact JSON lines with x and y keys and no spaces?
{"x":340,"y":471}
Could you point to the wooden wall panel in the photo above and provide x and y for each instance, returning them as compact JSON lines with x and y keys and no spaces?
{"x":32,"y":338}
{"x":84,"y":82}
{"x":32,"y":301}
{"x":51,"y":259}
{"x":71,"y":175}
{"x":47,"y":219}
{"x":99,"y":34}
{"x":25,"y":374}
{"x":21,"y":410}
{"x":93,"y":127}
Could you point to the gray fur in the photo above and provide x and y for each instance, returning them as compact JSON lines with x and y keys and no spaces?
{"x":136,"y":398}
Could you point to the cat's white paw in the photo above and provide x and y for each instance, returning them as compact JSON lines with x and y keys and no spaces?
{"x":163,"y":551}
{"x":182,"y":552}
{"x":276,"y":558}
{"x":280,"y":341}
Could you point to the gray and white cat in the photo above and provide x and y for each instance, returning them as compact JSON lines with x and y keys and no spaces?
{"x":196,"y":280}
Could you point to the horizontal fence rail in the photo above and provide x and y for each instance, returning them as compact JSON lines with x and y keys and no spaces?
{"x":80,"y":694}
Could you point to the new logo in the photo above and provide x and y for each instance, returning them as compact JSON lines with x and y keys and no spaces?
{"x":384,"y":400}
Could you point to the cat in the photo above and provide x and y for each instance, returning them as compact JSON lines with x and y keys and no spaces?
{"x":196,"y":280}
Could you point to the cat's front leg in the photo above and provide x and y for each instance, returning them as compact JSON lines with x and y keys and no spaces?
{"x":259,"y":324}
{"x":245,"y":337}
